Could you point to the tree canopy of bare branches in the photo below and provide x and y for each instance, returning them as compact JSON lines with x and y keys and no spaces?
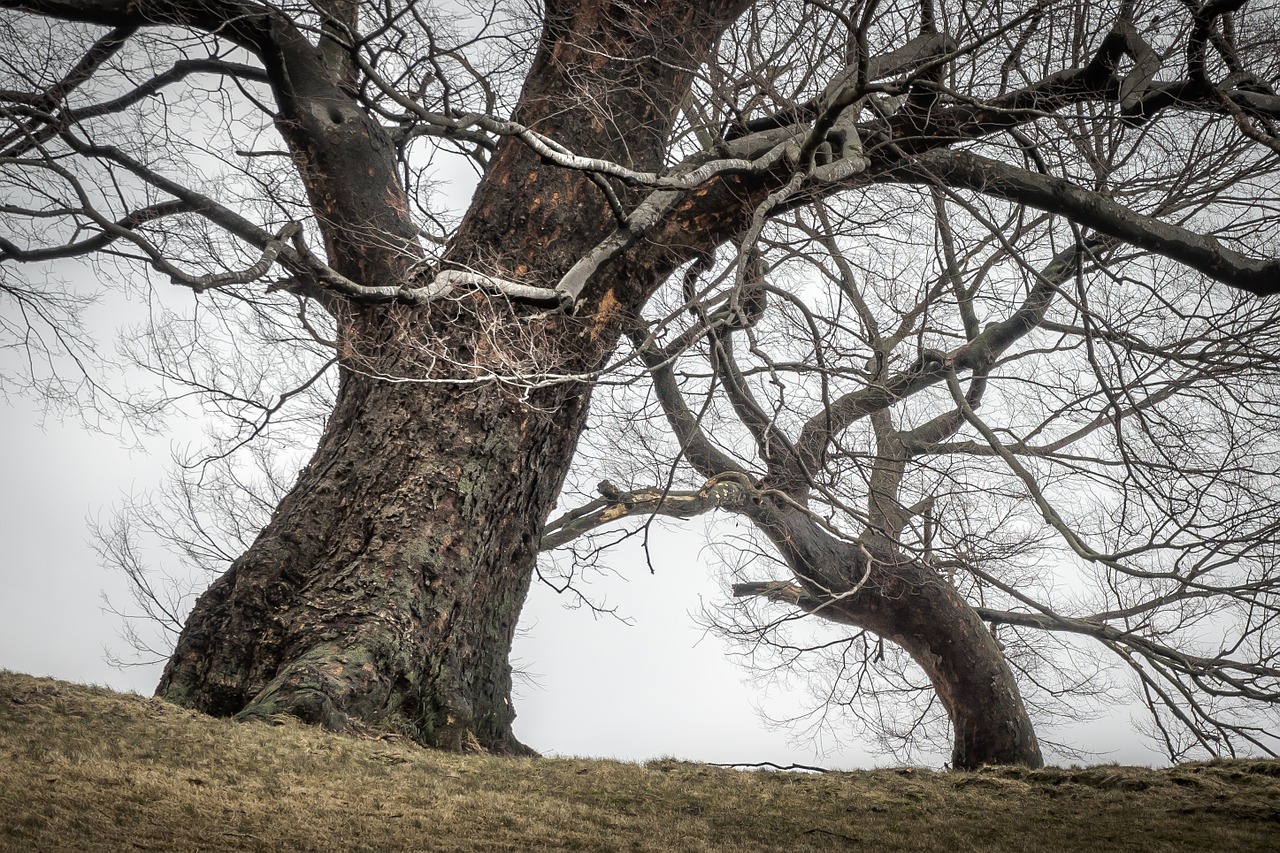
{"x":968,"y":309}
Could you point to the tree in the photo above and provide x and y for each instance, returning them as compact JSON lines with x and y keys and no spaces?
{"x":1094,"y":183}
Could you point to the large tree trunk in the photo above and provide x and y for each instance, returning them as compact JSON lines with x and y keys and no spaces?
{"x":387,"y":586}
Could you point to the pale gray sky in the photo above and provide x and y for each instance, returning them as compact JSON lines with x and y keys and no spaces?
{"x":657,"y":687}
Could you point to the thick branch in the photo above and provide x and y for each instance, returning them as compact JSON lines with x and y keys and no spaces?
{"x":774,"y":447}
{"x":696,"y":448}
{"x":1093,"y":210}
{"x":241,"y":22}
{"x":785,"y":592}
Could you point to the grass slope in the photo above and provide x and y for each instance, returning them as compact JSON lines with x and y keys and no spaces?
{"x":82,"y":768}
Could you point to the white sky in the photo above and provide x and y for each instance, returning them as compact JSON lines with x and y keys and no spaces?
{"x":658,"y":687}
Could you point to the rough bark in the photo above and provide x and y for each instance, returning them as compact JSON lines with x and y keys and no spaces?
{"x":388,"y":584}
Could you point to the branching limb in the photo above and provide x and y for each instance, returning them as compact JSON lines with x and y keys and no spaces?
{"x":1220,"y":667}
{"x":47,"y":119}
{"x":695,"y":446}
{"x":773,"y":445}
{"x":728,"y":491}
{"x":10,"y":251}
{"x":252,"y":273}
{"x":37,"y":105}
{"x":976,"y":355}
{"x":1173,"y":681}
{"x":1047,"y":511}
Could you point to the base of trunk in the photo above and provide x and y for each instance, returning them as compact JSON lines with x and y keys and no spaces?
{"x":385,"y":591}
{"x":330,"y":689}
{"x":914,"y":607}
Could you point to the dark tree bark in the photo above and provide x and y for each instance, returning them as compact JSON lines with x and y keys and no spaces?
{"x":913,"y":606}
{"x":387,"y":587}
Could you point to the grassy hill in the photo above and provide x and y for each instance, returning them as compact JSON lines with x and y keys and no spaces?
{"x":82,"y":768}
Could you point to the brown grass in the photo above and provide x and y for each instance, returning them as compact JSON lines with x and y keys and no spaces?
{"x":82,"y":768}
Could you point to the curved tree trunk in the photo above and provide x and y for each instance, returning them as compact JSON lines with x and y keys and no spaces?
{"x":918,"y":610}
{"x":912,"y":606}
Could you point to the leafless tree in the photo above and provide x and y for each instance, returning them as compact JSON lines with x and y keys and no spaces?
{"x":965,"y":307}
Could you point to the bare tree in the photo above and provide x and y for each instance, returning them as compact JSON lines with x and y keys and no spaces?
{"x":987,"y":263}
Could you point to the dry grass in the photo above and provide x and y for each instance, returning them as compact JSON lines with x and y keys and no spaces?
{"x":82,"y":768}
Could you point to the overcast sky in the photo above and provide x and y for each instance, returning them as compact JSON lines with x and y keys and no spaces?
{"x":657,"y":687}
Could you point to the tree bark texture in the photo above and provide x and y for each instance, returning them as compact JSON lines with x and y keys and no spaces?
{"x":387,"y":587}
